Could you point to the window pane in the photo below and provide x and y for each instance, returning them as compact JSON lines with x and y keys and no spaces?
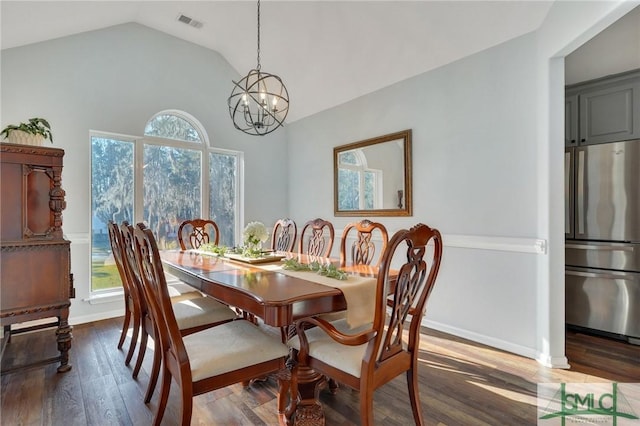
{"x":172,"y":127}
{"x":223,"y":172}
{"x":111,"y":199}
{"x":370,"y":191}
{"x":348,"y":157}
{"x":349,"y":181}
{"x":171,"y":190}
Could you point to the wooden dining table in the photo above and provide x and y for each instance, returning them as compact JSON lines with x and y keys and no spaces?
{"x":274,"y":297}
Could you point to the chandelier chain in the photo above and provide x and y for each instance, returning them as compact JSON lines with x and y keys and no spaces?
{"x":258,"y":67}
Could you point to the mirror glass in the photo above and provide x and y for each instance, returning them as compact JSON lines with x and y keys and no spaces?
{"x":373,"y":177}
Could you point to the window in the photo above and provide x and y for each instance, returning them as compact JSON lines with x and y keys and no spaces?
{"x":355,"y":178}
{"x":111,"y":199}
{"x":162,"y":178}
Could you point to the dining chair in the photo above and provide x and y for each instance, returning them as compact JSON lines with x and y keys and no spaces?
{"x":363,"y":249}
{"x":233,"y":352}
{"x":132,"y":308}
{"x":192,"y":315}
{"x":283,"y":237}
{"x":367,"y":357}
{"x":319,"y":241}
{"x":131,"y":311}
{"x":193,"y":233}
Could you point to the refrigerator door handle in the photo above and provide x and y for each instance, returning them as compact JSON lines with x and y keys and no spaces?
{"x":602,"y":247}
{"x":568,"y":193}
{"x":605,"y":275}
{"x":580,"y":192}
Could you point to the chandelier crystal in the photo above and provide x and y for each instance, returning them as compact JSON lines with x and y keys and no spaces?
{"x":259,"y":102}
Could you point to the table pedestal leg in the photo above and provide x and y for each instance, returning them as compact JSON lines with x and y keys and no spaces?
{"x":306,"y":410}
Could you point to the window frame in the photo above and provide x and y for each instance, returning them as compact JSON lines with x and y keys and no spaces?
{"x":361,"y":167}
{"x":139,"y":143}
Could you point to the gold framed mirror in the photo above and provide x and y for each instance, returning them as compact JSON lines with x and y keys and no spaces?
{"x":373,"y":177}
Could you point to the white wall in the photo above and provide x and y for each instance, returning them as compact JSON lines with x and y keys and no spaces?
{"x":473,"y":175}
{"x":114,"y":80}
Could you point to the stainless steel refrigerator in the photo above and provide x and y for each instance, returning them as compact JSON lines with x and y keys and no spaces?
{"x":602,"y":229}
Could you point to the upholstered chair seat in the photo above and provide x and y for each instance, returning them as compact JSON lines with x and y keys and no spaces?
{"x":179,"y":291}
{"x":243,"y":344}
{"x":324,"y":348}
{"x":200,"y":312}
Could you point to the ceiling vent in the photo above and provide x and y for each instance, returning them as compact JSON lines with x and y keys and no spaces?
{"x":189,"y":21}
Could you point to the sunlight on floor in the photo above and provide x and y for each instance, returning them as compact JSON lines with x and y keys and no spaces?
{"x":509,"y":394}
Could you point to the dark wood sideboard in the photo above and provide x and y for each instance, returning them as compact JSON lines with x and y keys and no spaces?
{"x":35,"y":260}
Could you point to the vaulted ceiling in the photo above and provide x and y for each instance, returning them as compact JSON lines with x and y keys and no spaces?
{"x":326,"y":52}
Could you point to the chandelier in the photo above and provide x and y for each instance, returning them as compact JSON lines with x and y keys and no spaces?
{"x":259,"y":102}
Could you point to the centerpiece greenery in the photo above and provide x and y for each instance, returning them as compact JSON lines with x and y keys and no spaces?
{"x":329,"y":271}
{"x":212,"y":248}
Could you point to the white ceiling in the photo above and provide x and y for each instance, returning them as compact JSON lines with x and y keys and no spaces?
{"x":326,"y":52}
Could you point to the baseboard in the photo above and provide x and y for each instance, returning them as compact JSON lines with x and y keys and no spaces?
{"x":553,"y":362}
{"x":83,"y":319}
{"x":483,"y":339}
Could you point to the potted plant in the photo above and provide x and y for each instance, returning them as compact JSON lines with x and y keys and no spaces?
{"x":34,"y":132}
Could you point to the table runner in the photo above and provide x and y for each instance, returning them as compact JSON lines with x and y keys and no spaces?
{"x":359,"y":292}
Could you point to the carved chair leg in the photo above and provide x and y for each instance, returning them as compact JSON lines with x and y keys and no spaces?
{"x":284,"y":387}
{"x":155,"y":371}
{"x":125,"y":326}
{"x":164,"y":396}
{"x":187,"y":404}
{"x":366,"y":406}
{"x":414,"y":396}
{"x":134,"y":340}
{"x":142,"y":349}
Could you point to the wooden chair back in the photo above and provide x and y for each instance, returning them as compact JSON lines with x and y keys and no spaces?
{"x":195,"y":232}
{"x":316,"y":238}
{"x":363,"y":249}
{"x":131,"y":267}
{"x":116,"y":250}
{"x":115,"y":240}
{"x":283,"y":237}
{"x":414,"y":282}
{"x":147,"y":320}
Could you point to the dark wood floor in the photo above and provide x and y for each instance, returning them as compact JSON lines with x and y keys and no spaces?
{"x":461,"y":383}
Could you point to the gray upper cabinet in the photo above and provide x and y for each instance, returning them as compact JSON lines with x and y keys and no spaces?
{"x":571,"y":120}
{"x":603,"y":110}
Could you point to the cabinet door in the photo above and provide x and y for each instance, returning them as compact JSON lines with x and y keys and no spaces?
{"x":571,"y":120}
{"x":610,"y":114}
